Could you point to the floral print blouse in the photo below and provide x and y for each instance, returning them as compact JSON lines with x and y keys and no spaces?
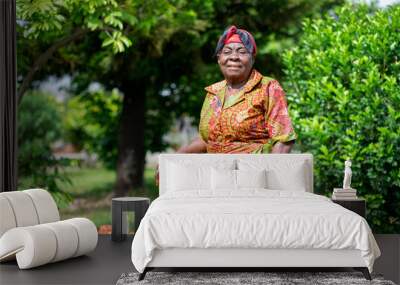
{"x":250,"y":121}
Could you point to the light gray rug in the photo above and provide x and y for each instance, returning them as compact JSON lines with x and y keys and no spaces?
{"x":243,"y":278}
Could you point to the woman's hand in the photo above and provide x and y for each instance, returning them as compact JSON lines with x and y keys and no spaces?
{"x":282,"y":147}
{"x":196,"y":146}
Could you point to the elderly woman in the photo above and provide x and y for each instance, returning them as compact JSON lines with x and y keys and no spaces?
{"x":246,"y":112}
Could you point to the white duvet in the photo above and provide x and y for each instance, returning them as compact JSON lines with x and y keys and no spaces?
{"x":253,"y":218}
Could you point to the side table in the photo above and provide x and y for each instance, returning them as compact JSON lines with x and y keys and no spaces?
{"x":120,"y":206}
{"x":357,"y":205}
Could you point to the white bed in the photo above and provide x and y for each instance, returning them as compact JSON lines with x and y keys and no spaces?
{"x":198,"y":223}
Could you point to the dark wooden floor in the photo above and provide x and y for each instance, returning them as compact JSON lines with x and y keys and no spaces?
{"x":103,"y":266}
{"x":111,"y":259}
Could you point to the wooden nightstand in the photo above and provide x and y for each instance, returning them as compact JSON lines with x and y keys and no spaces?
{"x":357,"y":205}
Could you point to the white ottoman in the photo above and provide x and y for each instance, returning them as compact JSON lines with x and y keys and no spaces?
{"x":31,"y":232}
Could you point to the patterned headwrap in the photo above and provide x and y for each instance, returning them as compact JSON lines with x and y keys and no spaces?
{"x":235,"y":35}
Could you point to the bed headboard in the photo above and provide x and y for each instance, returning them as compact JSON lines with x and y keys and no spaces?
{"x":269,"y":160}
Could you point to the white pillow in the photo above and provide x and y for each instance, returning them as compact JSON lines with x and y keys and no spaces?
{"x":186,"y":175}
{"x":292,"y":179}
{"x":224,"y":179}
{"x":251,"y":178}
{"x":181,"y":177}
{"x":281,"y":174}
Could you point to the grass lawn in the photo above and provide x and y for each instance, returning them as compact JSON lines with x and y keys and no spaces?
{"x":91,"y":190}
{"x":99,"y":216}
{"x":89,"y":182}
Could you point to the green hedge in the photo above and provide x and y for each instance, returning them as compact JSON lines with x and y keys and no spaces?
{"x":343,"y":88}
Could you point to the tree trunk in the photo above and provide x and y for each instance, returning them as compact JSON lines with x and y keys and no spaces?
{"x":131,"y":147}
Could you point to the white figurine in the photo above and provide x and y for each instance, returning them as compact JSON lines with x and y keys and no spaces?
{"x":347,"y":175}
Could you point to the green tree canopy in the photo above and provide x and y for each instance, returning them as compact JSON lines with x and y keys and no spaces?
{"x":145,"y":47}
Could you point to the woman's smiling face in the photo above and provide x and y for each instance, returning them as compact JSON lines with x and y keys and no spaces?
{"x":235,"y":62}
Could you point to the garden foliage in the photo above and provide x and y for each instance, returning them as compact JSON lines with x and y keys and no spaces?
{"x":343,"y":84}
{"x":39,"y":127}
{"x":91,"y":123}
